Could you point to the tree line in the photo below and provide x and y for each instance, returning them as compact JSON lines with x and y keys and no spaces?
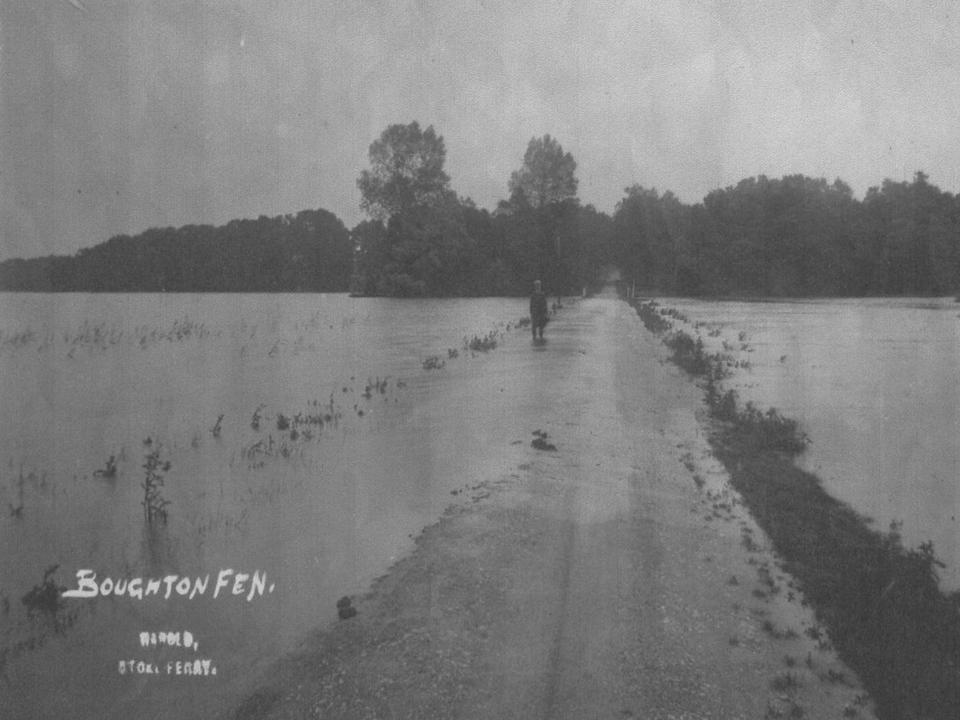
{"x":793,"y":236}
{"x":310,"y":251}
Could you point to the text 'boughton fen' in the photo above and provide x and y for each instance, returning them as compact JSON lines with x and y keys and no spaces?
{"x":228,"y":583}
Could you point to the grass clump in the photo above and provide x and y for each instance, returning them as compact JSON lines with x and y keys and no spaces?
{"x":651,"y":318}
{"x":482,"y":344}
{"x":723,"y":405}
{"x":688,"y":353}
{"x":785,"y":682}
{"x":434,"y":362}
{"x":756,"y":430}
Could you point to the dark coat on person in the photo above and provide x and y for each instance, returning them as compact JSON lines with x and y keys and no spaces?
{"x":538,"y":308}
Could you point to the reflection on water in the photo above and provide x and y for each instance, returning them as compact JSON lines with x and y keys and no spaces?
{"x":292,"y":439}
{"x":876,"y":384}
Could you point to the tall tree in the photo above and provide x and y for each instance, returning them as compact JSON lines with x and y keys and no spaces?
{"x":545,"y":188}
{"x":406,"y":170}
{"x":547,"y":175}
{"x":418,"y":243}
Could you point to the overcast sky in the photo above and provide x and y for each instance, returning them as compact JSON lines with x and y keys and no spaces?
{"x":119,"y":115}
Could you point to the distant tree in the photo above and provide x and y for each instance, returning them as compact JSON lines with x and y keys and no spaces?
{"x":914,"y":230}
{"x":406,"y":171}
{"x":592,"y":235}
{"x":547,"y":175}
{"x":651,"y":237}
{"x":370,"y":255}
{"x":307,"y":252}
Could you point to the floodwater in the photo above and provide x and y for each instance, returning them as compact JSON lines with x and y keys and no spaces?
{"x":335,"y":446}
{"x":876,"y":386}
{"x":295,"y":439}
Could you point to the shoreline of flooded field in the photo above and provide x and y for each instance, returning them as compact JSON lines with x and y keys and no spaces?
{"x":873,"y":384}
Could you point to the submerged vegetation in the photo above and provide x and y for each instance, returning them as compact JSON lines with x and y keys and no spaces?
{"x":540,"y":441}
{"x":154,"y":504}
{"x":47,"y":616}
{"x":159,"y":490}
{"x":482,"y":344}
{"x":44,"y":599}
{"x":879,"y":602}
{"x":109,"y":471}
{"x":433,"y":362}
{"x":92,"y":338}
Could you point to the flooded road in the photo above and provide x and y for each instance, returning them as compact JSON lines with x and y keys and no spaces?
{"x":591,"y":577}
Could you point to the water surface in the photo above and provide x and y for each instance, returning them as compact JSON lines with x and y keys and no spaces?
{"x":211,"y":386}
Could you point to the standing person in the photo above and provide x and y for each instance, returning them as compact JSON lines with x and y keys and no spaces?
{"x":538,"y":310}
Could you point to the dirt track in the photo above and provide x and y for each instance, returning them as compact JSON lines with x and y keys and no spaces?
{"x":597,"y":580}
